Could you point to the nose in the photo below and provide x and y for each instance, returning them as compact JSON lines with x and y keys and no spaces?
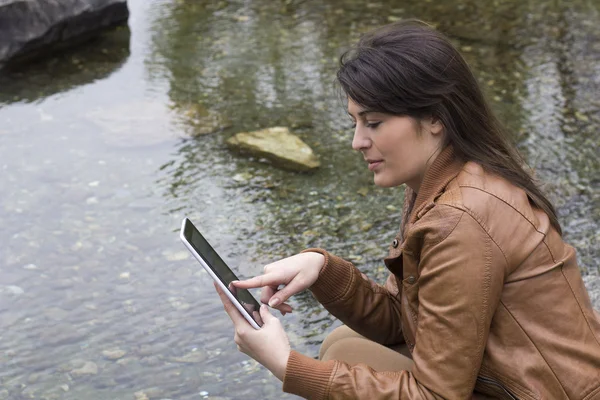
{"x":360,"y":141}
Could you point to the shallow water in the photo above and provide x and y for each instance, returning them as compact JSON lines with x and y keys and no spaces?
{"x":102,"y":154}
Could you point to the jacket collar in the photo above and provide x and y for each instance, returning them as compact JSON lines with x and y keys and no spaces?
{"x":444,"y":168}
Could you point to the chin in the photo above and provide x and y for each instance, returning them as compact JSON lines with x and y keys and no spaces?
{"x":382,"y":182}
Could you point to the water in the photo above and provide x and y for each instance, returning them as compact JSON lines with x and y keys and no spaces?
{"x":103,"y":151}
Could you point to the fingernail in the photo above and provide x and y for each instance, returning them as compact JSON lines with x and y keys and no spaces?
{"x":273,"y":302}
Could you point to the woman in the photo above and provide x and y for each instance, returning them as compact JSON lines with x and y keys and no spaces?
{"x":483,"y":296}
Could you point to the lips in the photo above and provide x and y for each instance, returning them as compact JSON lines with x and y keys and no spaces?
{"x":373,"y":164}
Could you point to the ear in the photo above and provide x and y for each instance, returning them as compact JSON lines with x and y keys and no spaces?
{"x":435,"y":126}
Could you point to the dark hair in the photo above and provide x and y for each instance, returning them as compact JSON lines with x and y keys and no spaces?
{"x":408,"y":68}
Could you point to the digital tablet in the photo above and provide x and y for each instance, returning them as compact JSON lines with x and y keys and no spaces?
{"x":220,"y":272}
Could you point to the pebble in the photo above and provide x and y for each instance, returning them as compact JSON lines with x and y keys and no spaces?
{"x":31,"y":267}
{"x":33,"y":378}
{"x":64,"y":387}
{"x":125,"y":361}
{"x":363,"y":191}
{"x":190,"y":358}
{"x":180,"y":305}
{"x":178,"y":256}
{"x":29,"y":392}
{"x":4,"y":394}
{"x":151,"y":361}
{"x":89,"y":368}
{"x":12,"y":289}
{"x":153,"y":392}
{"x":113,"y":354}
{"x":71,"y":365}
{"x":152,"y":349}
{"x":366,"y":227}
{"x":140,"y":396}
{"x":124,"y":275}
{"x":242,"y":177}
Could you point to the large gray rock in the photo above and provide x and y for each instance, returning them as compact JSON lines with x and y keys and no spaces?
{"x":62,"y":71}
{"x":31,"y":27}
{"x":279,"y":146}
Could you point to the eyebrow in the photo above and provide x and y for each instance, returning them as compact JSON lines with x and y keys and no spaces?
{"x":362,"y":113}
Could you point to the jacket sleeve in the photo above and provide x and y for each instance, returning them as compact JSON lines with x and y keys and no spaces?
{"x":457,"y":291}
{"x":361,"y":304}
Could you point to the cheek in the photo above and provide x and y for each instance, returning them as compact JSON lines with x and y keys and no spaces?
{"x":406,"y":157}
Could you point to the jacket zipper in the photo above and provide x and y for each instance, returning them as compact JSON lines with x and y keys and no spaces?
{"x":498,"y":384}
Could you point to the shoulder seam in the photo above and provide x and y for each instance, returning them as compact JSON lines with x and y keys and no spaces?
{"x":451,"y":230}
{"x":516,"y":210}
{"x":472,"y":214}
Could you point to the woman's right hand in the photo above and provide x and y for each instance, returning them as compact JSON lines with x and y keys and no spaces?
{"x":296,"y":273}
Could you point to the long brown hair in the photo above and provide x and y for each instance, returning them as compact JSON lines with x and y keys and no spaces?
{"x":408,"y":68}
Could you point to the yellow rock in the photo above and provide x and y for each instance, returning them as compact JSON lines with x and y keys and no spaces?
{"x":279,"y":146}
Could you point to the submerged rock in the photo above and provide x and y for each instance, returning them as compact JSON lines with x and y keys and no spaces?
{"x":31,"y":27}
{"x":133,"y":124}
{"x":140,"y":395}
{"x":192,"y":357}
{"x":89,"y":368}
{"x":12,"y":289}
{"x":202,"y":120}
{"x":113,"y":354}
{"x":279,"y":146}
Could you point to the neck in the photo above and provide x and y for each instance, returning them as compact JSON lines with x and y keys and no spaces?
{"x":443,"y":168}
{"x":415,"y":184}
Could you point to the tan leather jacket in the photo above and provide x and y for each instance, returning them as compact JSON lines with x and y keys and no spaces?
{"x":484,"y":292}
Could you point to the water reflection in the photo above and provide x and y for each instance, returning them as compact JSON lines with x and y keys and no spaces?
{"x":67,"y":69}
{"x":262,"y":73}
{"x":563,"y":108}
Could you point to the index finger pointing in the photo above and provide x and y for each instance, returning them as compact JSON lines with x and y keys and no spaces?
{"x":270,"y":279}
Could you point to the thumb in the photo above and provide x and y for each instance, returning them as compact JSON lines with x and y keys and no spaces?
{"x":266,"y":315}
{"x":284,"y":294}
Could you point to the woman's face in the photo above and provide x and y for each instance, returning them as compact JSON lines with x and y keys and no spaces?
{"x":398,"y":149}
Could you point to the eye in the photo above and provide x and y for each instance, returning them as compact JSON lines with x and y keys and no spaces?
{"x":372,"y":125}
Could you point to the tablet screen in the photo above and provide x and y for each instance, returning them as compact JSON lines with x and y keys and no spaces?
{"x":223,"y":272}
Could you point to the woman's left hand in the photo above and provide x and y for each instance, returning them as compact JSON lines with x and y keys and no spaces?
{"x":268,"y":345}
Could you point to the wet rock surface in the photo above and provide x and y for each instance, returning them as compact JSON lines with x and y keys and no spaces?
{"x":30,"y":27}
{"x":279,"y":146}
